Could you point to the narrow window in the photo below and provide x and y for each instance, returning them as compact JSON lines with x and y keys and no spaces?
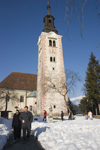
{"x":21,"y":98}
{"x":53,"y":68}
{"x":50,"y":43}
{"x":50,"y":58}
{"x":54,"y":59}
{"x":54,"y":44}
{"x":54,"y":106}
{"x":31,"y":108}
{"x":54,"y":86}
{"x":35,"y":103}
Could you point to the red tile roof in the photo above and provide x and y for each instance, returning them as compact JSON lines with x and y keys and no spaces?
{"x":20,"y":81}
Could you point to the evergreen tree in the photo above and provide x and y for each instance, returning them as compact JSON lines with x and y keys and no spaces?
{"x":92,"y":85}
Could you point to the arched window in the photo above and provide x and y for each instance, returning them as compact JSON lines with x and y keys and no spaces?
{"x":50,"y":58}
{"x":21,"y":98}
{"x":30,"y":107}
{"x":54,"y":44}
{"x":49,"y":20}
{"x":50,"y":43}
{"x":54,"y":59}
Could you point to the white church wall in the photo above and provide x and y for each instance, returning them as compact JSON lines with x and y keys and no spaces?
{"x":12,"y":103}
{"x":31,"y":102}
{"x":50,"y":69}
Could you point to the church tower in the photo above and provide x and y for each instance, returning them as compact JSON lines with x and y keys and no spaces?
{"x":51,"y":74}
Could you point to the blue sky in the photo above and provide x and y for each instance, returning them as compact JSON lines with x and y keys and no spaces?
{"x":21,"y":22}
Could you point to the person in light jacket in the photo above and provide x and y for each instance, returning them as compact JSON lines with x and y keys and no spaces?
{"x":90,"y":115}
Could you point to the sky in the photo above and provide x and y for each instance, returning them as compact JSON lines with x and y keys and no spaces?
{"x":21,"y":23}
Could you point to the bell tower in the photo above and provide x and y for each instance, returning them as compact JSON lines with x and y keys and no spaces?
{"x":49,"y":21}
{"x":51,"y":72}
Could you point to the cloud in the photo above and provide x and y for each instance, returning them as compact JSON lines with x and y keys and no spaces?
{"x":76,"y":100}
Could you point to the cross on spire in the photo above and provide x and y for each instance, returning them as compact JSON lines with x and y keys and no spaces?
{"x":48,"y":9}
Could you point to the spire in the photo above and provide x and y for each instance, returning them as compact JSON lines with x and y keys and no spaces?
{"x":48,"y":9}
{"x":49,"y":21}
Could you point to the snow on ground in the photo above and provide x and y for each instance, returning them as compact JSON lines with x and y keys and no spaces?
{"x":78,"y":134}
{"x":5,"y":131}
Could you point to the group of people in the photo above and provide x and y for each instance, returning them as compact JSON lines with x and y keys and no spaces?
{"x":69,"y":115}
{"x":45,"y":114}
{"x":22,"y":120}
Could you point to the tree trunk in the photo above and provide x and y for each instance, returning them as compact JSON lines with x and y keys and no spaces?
{"x":6,"y":99}
{"x":99,"y":108}
{"x":68,"y":108}
{"x":96,"y":111}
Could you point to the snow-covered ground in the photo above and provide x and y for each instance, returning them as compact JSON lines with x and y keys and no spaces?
{"x":78,"y":134}
{"x":5,"y":131}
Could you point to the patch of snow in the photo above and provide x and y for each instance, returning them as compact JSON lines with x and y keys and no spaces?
{"x":70,"y":134}
{"x":5,"y":126}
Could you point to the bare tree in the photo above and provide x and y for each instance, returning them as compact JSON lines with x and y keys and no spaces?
{"x":75,"y":8}
{"x":61,"y":85}
{"x":5,"y":96}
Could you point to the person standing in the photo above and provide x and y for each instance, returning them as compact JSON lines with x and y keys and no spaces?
{"x":62,"y":115}
{"x":90,"y":115}
{"x":69,"y":115}
{"x":16,"y":124}
{"x":26,"y":118}
{"x":45,"y":114}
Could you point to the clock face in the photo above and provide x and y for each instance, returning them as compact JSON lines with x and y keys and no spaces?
{"x":52,"y":50}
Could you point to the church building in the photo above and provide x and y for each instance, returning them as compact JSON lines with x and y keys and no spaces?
{"x":44,"y":90}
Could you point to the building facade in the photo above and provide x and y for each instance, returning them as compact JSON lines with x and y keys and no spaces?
{"x":51,"y":74}
{"x":21,"y":90}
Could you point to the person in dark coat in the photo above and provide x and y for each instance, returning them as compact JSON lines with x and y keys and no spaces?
{"x":26,"y":118}
{"x":16,"y":124}
{"x":62,"y":115}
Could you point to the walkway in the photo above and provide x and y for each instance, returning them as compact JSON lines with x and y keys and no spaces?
{"x":32,"y":144}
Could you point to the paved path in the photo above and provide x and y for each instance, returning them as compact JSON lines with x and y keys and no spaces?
{"x":32,"y":144}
